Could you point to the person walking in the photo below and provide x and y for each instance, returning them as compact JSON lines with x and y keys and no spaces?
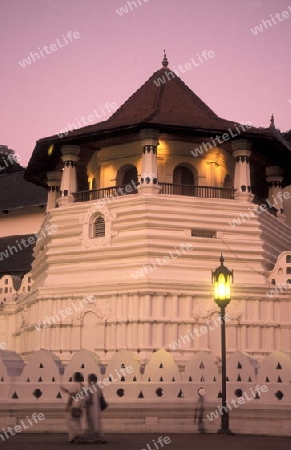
{"x":199,"y":411}
{"x":93,"y":408}
{"x":75,"y":409}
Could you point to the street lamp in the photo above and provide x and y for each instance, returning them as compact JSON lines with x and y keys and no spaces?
{"x":221,"y":279}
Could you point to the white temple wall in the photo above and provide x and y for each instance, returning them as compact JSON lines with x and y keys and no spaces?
{"x":139,"y":303}
{"x":110,"y":322}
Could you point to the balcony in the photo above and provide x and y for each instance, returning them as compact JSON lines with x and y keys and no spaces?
{"x":166,"y":188}
{"x":196,"y":191}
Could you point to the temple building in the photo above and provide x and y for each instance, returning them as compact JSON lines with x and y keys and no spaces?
{"x":139,"y":209}
{"x":142,"y":205}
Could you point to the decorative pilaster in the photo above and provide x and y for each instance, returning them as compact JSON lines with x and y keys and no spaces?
{"x":242,"y":179}
{"x":69,"y":176}
{"x":149,"y":168}
{"x":275,"y":195}
{"x":53,"y":182}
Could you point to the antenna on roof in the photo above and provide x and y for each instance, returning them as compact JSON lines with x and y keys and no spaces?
{"x":272,"y":124}
{"x":165,"y":61}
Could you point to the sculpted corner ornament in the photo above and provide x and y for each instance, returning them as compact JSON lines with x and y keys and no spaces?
{"x":87,"y":220}
{"x":203,"y":315}
{"x":100,"y":308}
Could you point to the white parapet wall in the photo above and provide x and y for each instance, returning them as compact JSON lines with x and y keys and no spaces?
{"x":155,"y":397}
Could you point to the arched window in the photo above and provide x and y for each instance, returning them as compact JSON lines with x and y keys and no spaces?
{"x":184,"y":177}
{"x":98,"y":227}
{"x":127,"y":176}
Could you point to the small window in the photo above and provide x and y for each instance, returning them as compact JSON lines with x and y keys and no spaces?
{"x":99,"y":227}
{"x":29,"y":279}
{"x":288,"y":259}
{"x":6,"y":281}
{"x":202,"y":234}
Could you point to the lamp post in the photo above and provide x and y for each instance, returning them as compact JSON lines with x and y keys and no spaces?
{"x":221,"y":279}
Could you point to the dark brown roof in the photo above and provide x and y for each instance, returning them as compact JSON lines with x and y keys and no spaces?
{"x":169,"y":107}
{"x":171,"y":104}
{"x":16,"y":192}
{"x":15,"y":259}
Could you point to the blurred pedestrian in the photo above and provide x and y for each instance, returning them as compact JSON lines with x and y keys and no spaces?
{"x":199,"y":411}
{"x":93,"y":408}
{"x":75,"y":409}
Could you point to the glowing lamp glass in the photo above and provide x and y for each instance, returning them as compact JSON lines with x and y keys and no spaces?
{"x":222,"y":287}
{"x":222,"y":279}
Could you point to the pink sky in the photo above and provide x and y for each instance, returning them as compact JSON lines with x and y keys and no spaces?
{"x":247,"y":80}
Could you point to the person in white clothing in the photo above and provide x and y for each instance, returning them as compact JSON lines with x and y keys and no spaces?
{"x":93,"y":407}
{"x":75,"y":409}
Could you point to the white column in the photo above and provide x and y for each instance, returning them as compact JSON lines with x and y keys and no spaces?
{"x":242,"y":179}
{"x":69,"y":176}
{"x":275,"y":194}
{"x":53,"y":182}
{"x":149,"y":168}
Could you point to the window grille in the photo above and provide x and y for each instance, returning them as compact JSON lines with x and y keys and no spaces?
{"x":202,"y":234}
{"x":99,"y":227}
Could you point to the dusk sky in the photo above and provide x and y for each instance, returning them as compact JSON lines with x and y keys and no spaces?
{"x":112,"y":54}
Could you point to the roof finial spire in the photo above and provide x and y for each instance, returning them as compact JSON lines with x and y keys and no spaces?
{"x":165,"y":61}
{"x":272,"y":124}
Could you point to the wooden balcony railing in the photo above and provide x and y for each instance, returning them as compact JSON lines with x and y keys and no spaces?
{"x":166,"y":188}
{"x":108,"y":192}
{"x":196,"y":191}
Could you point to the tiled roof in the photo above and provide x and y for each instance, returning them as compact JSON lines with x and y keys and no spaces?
{"x":16,"y":192}
{"x":170,"y":106}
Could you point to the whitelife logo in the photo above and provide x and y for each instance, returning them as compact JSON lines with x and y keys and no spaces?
{"x":90,"y":119}
{"x":124,"y":9}
{"x":269,"y":23}
{"x":161,"y":261}
{"x":12,"y":158}
{"x":121,"y":374}
{"x":174,"y":72}
{"x":64,"y":313}
{"x":53,"y":47}
{"x":11,"y":250}
{"x":220,"y":139}
{"x":36,"y":417}
{"x":220,"y":410}
{"x":261,"y":208}
{"x":183,"y":339}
